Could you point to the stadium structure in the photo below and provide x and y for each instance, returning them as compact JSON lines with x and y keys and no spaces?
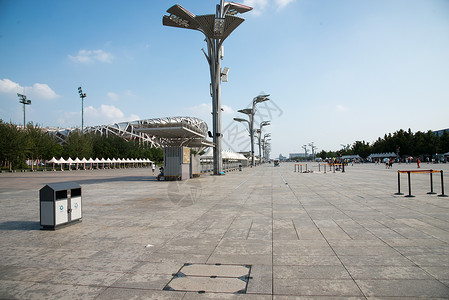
{"x":158,"y":132}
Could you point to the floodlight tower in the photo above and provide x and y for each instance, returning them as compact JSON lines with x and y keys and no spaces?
{"x":82,"y":96}
{"x":216,"y":28}
{"x":23,"y":99}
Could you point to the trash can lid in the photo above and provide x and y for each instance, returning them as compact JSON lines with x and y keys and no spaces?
{"x":57,"y":186}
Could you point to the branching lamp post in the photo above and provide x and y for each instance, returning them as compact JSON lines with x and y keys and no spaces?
{"x":250,"y":113}
{"x":216,"y":28}
{"x":259,"y":132}
{"x":264,"y":140}
{"x":313,"y":150}
{"x":24,"y":101}
{"x":82,"y":96}
{"x":305,"y":151}
{"x":266,"y":148}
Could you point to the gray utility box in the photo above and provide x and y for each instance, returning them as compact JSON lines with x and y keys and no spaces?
{"x":176,"y":163}
{"x":60,"y":205}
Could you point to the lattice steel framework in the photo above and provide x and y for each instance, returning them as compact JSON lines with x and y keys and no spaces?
{"x":129,"y":130}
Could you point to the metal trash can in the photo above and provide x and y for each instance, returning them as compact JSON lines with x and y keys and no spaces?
{"x":60,"y":205}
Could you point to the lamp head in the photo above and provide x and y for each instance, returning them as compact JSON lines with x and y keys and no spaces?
{"x":240,"y":120}
{"x":261,"y":98}
{"x":246,"y":111}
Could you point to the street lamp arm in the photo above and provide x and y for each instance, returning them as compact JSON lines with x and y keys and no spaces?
{"x":207,"y":57}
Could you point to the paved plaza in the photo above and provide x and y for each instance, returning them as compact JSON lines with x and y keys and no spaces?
{"x":262,"y":233}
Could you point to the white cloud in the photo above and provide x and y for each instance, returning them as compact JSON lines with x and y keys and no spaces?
{"x":202,"y":109}
{"x":8,"y":87}
{"x":107,"y":114}
{"x":113,"y":96}
{"x":111,"y":112}
{"x":227,"y":110}
{"x":37,"y":91}
{"x":283,"y":3}
{"x":89,"y":56}
{"x":259,"y":6}
{"x":205,"y":109}
{"x":43,"y":91}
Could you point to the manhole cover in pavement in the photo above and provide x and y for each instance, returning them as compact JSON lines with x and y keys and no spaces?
{"x":216,"y":278}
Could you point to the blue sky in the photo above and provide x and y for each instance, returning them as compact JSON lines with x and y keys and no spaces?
{"x":337,"y":70}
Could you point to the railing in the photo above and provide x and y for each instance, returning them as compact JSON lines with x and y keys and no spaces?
{"x":420,"y":172}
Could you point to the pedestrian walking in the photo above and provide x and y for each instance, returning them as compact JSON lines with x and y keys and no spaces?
{"x":153,"y":167}
{"x":418,"y":162}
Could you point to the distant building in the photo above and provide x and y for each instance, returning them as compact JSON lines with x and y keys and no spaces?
{"x":440,"y":132}
{"x":282,"y":157}
{"x":296,"y":155}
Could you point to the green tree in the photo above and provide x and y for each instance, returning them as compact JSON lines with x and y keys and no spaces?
{"x":444,"y":143}
{"x":12,"y":145}
{"x":78,"y":145}
{"x":361,"y":148}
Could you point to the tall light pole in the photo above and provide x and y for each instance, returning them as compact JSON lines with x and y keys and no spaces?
{"x":259,"y":132}
{"x":313,"y":150}
{"x":305,"y":151}
{"x":243,"y":120}
{"x":266,"y":148}
{"x":23,"y":99}
{"x":250,"y":113}
{"x":264,"y":140}
{"x":82,"y":96}
{"x":216,"y":28}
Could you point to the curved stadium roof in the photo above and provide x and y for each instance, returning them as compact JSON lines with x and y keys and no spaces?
{"x":159,"y":132}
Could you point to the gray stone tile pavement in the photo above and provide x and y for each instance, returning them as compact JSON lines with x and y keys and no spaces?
{"x":306,"y":235}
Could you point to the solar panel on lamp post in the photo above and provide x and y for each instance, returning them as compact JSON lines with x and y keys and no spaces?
{"x":216,"y":28}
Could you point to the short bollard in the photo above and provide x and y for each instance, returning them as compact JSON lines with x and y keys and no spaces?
{"x":399,"y":184}
{"x":442,"y":186}
{"x":431,"y":184}
{"x":409,"y":186}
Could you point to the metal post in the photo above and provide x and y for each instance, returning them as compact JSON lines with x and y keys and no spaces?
{"x":23,"y":99}
{"x":24,"y":124}
{"x":399,"y":184}
{"x":260,"y":146}
{"x":431,"y":183}
{"x":251,"y":132}
{"x":442,"y":186}
{"x":409,"y":186}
